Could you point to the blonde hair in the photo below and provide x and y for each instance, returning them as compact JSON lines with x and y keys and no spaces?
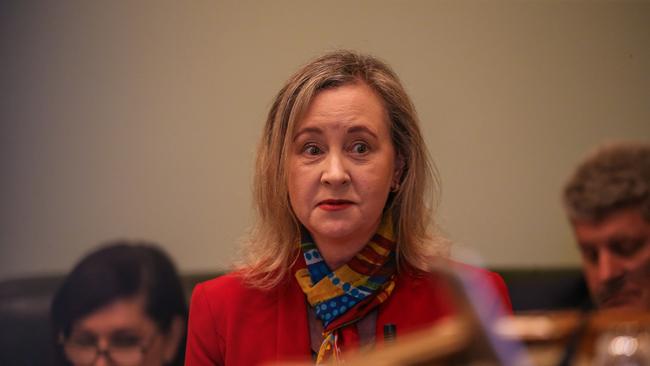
{"x":273,"y":243}
{"x":612,"y":177}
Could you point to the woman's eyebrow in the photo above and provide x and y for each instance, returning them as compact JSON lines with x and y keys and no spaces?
{"x":306,"y":130}
{"x":355,"y":129}
{"x":124,"y":330}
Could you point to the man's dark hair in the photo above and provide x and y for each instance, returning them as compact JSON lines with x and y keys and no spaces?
{"x":613,"y":177}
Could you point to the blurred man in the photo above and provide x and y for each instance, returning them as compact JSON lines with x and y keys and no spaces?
{"x":607,"y":200}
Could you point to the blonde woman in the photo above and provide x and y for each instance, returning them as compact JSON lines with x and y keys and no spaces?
{"x":343,"y":238}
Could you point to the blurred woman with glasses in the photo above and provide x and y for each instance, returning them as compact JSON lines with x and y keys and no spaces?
{"x":121,"y":305}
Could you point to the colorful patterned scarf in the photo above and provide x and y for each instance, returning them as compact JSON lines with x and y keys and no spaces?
{"x":343,"y":297}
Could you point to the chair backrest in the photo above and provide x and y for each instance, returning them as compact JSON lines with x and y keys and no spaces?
{"x":546,"y":288}
{"x":25,"y":336}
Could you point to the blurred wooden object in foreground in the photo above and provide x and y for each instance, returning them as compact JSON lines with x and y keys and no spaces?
{"x":577,"y":338}
{"x":542,"y":338}
{"x":539,"y":339}
{"x":454,"y":341}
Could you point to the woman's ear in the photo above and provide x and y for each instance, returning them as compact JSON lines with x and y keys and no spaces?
{"x":173,"y":338}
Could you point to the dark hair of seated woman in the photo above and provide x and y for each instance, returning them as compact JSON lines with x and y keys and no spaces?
{"x":124,"y":303}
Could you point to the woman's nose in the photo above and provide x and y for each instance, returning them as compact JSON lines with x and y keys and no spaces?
{"x":335,"y":172}
{"x":102,"y":360}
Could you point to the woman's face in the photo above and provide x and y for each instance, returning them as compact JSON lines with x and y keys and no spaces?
{"x":341,"y":165}
{"x":120,"y":333}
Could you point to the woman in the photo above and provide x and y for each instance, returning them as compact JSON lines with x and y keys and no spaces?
{"x":342,"y":242}
{"x":121,"y":305}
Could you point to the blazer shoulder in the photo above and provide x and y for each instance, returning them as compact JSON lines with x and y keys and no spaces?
{"x":472,"y":276}
{"x":227,"y":283}
{"x":230,"y":293}
{"x":480,"y":277}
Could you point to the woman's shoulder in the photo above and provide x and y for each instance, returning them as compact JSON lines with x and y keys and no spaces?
{"x":480,"y":276}
{"x":446,"y":265}
{"x":468,"y":276}
{"x":231,"y":281}
{"x":218,"y":307}
{"x":231,"y":285}
{"x":234,"y":288}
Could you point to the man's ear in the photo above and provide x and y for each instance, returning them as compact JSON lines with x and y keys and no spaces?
{"x":173,"y":338}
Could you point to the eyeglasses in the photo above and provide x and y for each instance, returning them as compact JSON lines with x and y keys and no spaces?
{"x":124,"y":349}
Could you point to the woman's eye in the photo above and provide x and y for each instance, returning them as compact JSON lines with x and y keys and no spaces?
{"x":360,"y":148}
{"x":84,"y":340}
{"x":122,"y":340}
{"x":312,"y":150}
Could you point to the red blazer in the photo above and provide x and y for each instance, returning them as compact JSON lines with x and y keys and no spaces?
{"x":232,"y":324}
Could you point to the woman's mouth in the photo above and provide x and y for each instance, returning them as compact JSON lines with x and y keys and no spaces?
{"x":334,"y":205}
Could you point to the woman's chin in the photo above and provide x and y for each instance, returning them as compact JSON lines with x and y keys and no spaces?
{"x":339,"y":230}
{"x":332,"y":232}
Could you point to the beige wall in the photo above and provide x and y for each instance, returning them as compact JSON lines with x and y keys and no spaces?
{"x":135,"y":119}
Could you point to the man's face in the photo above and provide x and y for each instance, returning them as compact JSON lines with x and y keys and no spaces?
{"x":616,"y":258}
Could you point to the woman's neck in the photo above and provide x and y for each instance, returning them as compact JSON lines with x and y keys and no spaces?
{"x":338,"y":252}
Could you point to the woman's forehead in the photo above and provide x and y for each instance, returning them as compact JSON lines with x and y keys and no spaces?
{"x":349,"y":108}
{"x":119,"y":314}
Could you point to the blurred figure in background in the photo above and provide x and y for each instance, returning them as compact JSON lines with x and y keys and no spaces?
{"x":121,"y":305}
{"x":607,"y":200}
